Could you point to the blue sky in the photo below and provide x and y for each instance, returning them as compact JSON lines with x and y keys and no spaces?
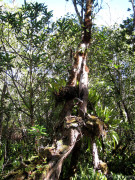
{"x":114,"y":11}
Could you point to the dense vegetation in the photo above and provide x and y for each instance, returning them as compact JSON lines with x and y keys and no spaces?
{"x":36,"y":56}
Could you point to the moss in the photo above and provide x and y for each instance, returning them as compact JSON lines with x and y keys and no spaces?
{"x":103,"y":167}
{"x":95,"y":125}
{"x":63,"y":148}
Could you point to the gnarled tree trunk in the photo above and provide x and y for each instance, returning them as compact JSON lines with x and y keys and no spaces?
{"x":71,"y":128}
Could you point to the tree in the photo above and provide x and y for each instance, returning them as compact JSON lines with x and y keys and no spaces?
{"x":133,"y":5}
{"x":74,"y":93}
{"x":43,"y":96}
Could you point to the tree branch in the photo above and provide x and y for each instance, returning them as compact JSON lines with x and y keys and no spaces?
{"x":77,"y":12}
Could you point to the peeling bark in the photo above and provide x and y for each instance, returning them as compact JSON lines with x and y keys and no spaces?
{"x":95,"y":154}
{"x":83,"y":88}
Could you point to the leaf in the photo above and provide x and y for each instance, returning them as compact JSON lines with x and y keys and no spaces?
{"x":116,"y":66}
{"x":114,"y":136}
{"x":1,"y":162}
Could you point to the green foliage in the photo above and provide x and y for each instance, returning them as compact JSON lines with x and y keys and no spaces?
{"x":1,"y":163}
{"x":37,"y":130}
{"x":111,"y":94}
{"x":6,"y":61}
{"x":87,"y":173}
{"x":35,"y":59}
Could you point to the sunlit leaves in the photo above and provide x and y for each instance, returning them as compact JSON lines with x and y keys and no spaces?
{"x":114,"y":137}
{"x":38,"y":131}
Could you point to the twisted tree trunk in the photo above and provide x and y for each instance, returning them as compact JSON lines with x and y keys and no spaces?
{"x":71,"y":128}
